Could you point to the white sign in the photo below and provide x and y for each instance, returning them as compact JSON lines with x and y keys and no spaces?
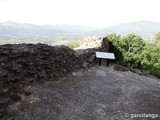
{"x":105,"y":55}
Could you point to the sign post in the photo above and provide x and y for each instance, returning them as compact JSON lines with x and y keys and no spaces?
{"x":105,"y":55}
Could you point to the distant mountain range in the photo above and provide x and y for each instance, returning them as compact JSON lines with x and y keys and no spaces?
{"x":146,"y":29}
{"x":12,"y":32}
{"x":22,"y":32}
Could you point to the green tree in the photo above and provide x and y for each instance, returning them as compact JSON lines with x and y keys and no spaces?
{"x":132,"y":51}
{"x":129,"y":48}
{"x":157,"y":38}
{"x":115,"y":46}
{"x":113,"y":37}
{"x":151,"y":62}
{"x":132,"y":43}
{"x":132,"y":46}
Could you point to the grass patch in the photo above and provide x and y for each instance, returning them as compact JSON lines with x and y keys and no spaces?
{"x":73,"y":45}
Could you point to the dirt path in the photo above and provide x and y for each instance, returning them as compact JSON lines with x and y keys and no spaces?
{"x":100,"y":93}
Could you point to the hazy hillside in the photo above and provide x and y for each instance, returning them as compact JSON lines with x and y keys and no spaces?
{"x":12,"y":32}
{"x":146,"y":29}
{"x":22,"y":32}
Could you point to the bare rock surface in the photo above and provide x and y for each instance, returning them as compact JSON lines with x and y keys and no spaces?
{"x":24,"y":64}
{"x":85,"y":43}
{"x":121,"y":68}
{"x":90,"y":42}
{"x":100,"y":93}
{"x":41,"y":82}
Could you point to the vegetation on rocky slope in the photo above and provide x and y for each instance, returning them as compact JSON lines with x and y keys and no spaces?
{"x":73,"y":44}
{"x":134,"y":52}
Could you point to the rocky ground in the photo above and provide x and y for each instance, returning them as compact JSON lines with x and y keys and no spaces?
{"x":22,"y":65}
{"x":41,"y":82}
{"x":100,"y":93}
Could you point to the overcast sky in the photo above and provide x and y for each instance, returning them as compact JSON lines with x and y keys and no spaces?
{"x":79,"y":12}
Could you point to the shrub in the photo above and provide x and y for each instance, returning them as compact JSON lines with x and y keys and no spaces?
{"x":127,"y":49}
{"x":155,"y":73}
{"x":133,"y":52}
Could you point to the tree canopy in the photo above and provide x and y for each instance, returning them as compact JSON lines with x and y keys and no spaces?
{"x":134,"y":52}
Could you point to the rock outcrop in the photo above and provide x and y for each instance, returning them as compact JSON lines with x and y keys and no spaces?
{"x":24,"y":64}
{"x":90,"y":42}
